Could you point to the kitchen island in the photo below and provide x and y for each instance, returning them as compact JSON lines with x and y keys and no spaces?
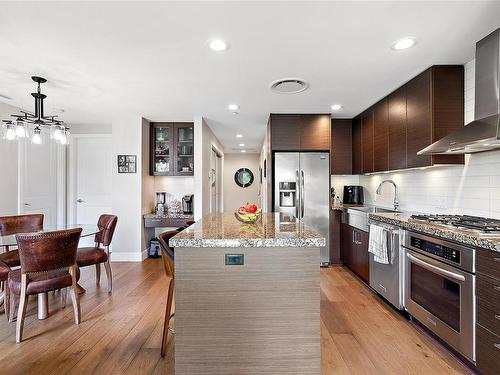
{"x":247,"y":298}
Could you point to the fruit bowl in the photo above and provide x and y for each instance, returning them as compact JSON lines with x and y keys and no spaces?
{"x":249,"y":213}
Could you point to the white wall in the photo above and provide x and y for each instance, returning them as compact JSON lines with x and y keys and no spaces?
{"x":127,"y":190}
{"x":8,"y":167}
{"x":204,"y":140}
{"x":90,"y":129}
{"x":234,"y":195}
{"x":175,"y":186}
{"x":473,"y":189}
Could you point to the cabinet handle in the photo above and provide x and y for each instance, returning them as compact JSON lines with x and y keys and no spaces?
{"x":353,"y":237}
{"x":497,"y":316}
{"x":497,"y":288}
{"x":497,"y":346}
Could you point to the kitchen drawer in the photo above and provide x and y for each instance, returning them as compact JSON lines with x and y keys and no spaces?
{"x":488,"y":316}
{"x":488,"y":290}
{"x":151,"y":222}
{"x":488,"y":263}
{"x":487,"y":351}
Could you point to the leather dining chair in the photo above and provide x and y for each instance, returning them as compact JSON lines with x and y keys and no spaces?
{"x":18,"y":224}
{"x":167,"y":255}
{"x":48,"y":262}
{"x":88,"y":256}
{"x":4,"y":274}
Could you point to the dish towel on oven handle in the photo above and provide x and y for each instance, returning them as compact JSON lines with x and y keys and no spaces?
{"x":377,"y":244}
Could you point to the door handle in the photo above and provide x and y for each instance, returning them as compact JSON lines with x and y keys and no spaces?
{"x":303,"y":195}
{"x":297,"y":188}
{"x":432,"y":268}
{"x":80,"y":200}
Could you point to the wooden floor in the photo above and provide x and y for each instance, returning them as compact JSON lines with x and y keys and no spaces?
{"x":121,"y":334}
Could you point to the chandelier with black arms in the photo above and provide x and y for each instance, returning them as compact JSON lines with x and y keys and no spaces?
{"x":34,"y":125}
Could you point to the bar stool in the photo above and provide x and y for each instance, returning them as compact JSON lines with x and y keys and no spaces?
{"x":167,"y":255}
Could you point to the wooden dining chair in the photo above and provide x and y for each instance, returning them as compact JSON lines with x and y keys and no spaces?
{"x":99,"y":253}
{"x":167,"y":255}
{"x":48,"y":262}
{"x":18,"y":224}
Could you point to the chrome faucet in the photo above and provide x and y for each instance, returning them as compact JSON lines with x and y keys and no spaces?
{"x":379,"y":191}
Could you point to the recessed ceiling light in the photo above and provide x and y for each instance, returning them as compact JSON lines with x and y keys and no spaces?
{"x":242,"y":145}
{"x":289,"y":85}
{"x":336,"y":107}
{"x":404,"y":43}
{"x":239,"y":135}
{"x":243,"y":150}
{"x":218,"y":45}
{"x":233,"y":107}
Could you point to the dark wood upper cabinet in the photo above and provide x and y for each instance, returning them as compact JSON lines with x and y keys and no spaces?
{"x":315,"y":132}
{"x":396,"y":121}
{"x":380,"y":137}
{"x":285,"y":132}
{"x":357,"y":149}
{"x":300,"y":132}
{"x":422,"y":111}
{"x":341,"y":146}
{"x":418,"y":119}
{"x":171,"y":149}
{"x":367,"y":140}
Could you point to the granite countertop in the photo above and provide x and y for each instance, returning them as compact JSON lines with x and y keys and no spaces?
{"x":271,"y":230}
{"x":464,"y":236}
{"x":168,"y":216}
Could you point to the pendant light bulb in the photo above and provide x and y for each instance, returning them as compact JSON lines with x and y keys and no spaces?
{"x":20,"y":128}
{"x":57,"y":133}
{"x":10,"y":133}
{"x":63,"y":139}
{"x":36,"y":138}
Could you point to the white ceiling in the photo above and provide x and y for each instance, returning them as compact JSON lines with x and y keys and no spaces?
{"x":152,"y":59}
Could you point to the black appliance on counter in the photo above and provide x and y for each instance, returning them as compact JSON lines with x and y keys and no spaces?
{"x":353,"y":194}
{"x":188,"y":204}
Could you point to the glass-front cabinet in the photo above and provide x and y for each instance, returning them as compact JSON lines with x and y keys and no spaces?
{"x":172,"y":149}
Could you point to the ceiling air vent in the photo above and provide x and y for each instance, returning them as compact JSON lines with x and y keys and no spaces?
{"x":289,"y":86}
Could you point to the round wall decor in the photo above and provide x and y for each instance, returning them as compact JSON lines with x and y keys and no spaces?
{"x":243,"y":177}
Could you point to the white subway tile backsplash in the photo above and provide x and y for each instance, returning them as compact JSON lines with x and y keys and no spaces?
{"x":472,"y":189}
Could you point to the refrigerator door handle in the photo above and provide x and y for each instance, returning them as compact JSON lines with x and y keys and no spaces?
{"x":296,"y":194}
{"x":302,"y":188}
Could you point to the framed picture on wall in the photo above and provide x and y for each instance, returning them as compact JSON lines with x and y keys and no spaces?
{"x":127,"y":163}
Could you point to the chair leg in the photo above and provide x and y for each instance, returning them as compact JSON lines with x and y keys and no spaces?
{"x":168,"y":311}
{"x":13,"y":302}
{"x":97,"y":273}
{"x":21,"y":313}
{"x":7,"y":300}
{"x":107,"y":267}
{"x":75,"y":299}
{"x":64,"y":297}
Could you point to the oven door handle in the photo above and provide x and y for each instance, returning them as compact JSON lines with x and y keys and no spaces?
{"x":432,"y":268}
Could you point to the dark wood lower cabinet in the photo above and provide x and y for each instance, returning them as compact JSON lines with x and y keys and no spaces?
{"x":488,"y":312}
{"x":354,"y":251}
{"x":335,"y":231}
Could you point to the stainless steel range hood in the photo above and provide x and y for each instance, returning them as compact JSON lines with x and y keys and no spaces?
{"x":482,"y":134}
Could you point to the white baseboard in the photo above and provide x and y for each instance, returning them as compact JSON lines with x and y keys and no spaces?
{"x":127,"y":257}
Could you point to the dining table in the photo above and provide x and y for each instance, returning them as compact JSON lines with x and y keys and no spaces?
{"x":9,"y":240}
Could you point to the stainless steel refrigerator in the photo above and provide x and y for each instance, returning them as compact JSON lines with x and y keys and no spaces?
{"x":302,"y":189}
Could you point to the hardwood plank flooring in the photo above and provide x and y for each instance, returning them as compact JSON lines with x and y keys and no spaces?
{"x":121,"y":333}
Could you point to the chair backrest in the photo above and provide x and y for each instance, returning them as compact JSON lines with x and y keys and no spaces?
{"x":48,"y":251}
{"x":107,"y":225}
{"x":167,"y":253}
{"x":21,"y":224}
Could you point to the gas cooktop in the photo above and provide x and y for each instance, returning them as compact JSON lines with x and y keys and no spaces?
{"x":481,"y":224}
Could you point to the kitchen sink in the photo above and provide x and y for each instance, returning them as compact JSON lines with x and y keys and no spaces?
{"x":358,"y":216}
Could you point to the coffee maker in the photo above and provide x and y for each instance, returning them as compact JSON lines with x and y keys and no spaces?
{"x":160,"y":207}
{"x":187,"y":203}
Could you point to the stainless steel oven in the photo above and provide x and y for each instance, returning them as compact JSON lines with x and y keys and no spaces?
{"x":440,"y":289}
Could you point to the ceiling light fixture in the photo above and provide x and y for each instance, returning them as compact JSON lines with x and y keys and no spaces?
{"x":20,"y":127}
{"x":239,"y":135}
{"x":404,"y":43}
{"x":233,"y":107}
{"x":242,"y":145}
{"x":243,"y":150}
{"x":218,"y":45}
{"x":336,"y":107}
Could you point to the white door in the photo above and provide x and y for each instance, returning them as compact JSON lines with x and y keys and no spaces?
{"x":215,"y":181}
{"x":39,"y":190}
{"x":89,"y":178}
